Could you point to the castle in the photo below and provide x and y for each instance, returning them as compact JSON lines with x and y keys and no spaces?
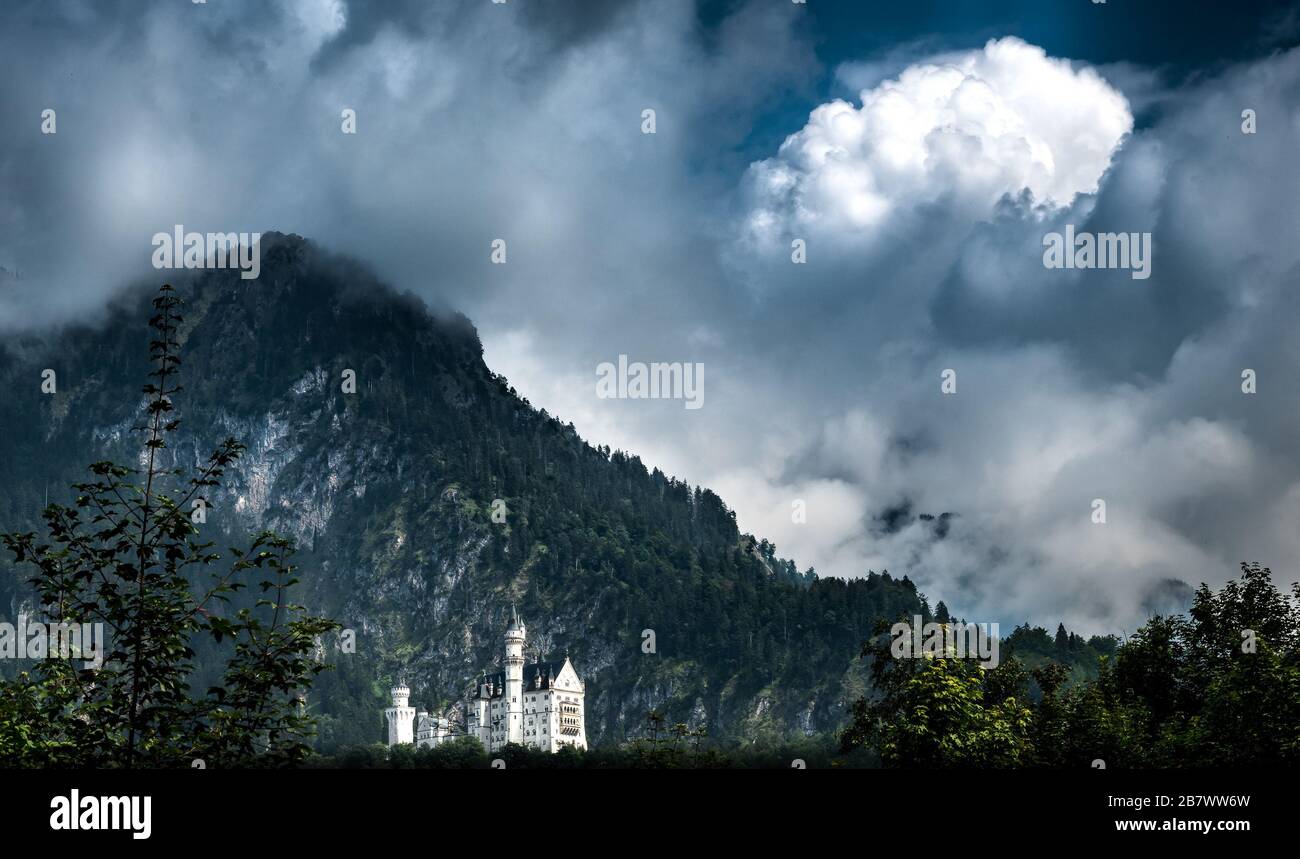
{"x":538,"y":705}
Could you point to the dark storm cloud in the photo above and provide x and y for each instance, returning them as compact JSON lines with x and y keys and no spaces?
{"x":556,"y":26}
{"x":475,"y":121}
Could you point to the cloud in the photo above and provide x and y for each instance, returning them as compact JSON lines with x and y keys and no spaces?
{"x":962,"y":130}
{"x":1072,"y":386}
{"x":923,"y":203}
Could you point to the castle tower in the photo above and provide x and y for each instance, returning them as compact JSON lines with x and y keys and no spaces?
{"x":514,"y":696}
{"x":401,"y":718}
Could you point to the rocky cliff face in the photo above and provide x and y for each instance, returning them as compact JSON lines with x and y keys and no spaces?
{"x":379,"y":439}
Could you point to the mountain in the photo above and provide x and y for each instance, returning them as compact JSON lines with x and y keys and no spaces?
{"x":390,"y":493}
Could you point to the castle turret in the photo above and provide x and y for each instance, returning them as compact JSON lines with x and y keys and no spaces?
{"x":514,"y":692}
{"x":477,"y":708}
{"x":401,"y":718}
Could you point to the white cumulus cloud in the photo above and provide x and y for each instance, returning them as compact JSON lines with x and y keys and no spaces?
{"x":965,"y":129}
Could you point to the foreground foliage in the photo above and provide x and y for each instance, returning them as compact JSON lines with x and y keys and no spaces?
{"x":1219,"y":687}
{"x":127,"y":555}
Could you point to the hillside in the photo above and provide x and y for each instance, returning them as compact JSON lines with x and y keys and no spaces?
{"x":390,"y":492}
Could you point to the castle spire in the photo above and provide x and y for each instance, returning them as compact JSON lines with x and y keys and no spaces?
{"x":516,"y":626}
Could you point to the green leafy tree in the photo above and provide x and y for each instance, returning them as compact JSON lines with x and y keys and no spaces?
{"x":1218,"y":687}
{"x":931,"y":711}
{"x":939,"y":719}
{"x":127,"y":555}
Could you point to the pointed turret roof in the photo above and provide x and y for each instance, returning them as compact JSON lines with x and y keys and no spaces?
{"x":515,"y":623}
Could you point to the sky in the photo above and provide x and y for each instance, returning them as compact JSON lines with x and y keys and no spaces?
{"x":920,"y":152}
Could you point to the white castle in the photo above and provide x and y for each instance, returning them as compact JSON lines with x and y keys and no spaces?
{"x":538,"y":705}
